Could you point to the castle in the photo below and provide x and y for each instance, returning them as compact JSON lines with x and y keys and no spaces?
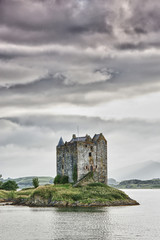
{"x":83,"y":155}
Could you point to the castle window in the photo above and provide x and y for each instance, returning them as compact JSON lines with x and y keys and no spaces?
{"x":91,"y":148}
{"x":86,"y":167}
{"x":90,"y":154}
{"x":62,"y":166}
{"x":86,"y":145}
{"x":96,"y":166}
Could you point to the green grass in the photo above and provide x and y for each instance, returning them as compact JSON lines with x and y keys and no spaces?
{"x":3,"y":194}
{"x":89,"y":193}
{"x":93,"y":192}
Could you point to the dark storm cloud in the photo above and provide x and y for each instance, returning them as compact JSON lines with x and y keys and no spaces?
{"x":51,"y":21}
{"x":74,"y":41}
{"x":87,"y":23}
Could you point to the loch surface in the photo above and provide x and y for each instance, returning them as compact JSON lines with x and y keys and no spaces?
{"x":111,"y":223}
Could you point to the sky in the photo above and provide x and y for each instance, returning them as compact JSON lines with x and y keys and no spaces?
{"x":92,"y":65}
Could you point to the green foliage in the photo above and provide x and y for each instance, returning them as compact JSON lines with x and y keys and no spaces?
{"x":57,"y":179}
{"x":75,"y":173}
{"x":11,"y":195}
{"x":35,"y":182}
{"x":3,"y":194}
{"x":96,"y":184}
{"x":1,"y":184}
{"x":61,"y":179}
{"x":9,"y":185}
{"x":64,"y":179}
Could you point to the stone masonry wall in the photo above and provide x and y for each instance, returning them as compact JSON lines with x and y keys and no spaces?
{"x":66,"y":159}
{"x":86,"y":158}
{"x":101,"y":161}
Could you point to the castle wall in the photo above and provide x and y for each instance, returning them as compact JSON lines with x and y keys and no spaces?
{"x":101,"y":148}
{"x":85,"y":161}
{"x":66,"y":159}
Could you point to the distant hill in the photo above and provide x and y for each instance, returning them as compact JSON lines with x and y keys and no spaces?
{"x":112,"y":182}
{"x":145,"y":170}
{"x":139,"y":184}
{"x":26,"y":182}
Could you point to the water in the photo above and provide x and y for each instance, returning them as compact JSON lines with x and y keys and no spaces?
{"x":111,"y":223}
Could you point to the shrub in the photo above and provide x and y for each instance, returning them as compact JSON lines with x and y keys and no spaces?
{"x":11,"y":195}
{"x":9,"y":185}
{"x":61,"y":179}
{"x":57,"y":179}
{"x":64,"y":179}
{"x":35,"y":182}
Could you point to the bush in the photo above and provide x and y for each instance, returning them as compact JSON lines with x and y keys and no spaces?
{"x":35,"y":182}
{"x":61,"y":179}
{"x":57,"y":179}
{"x":64,"y":179}
{"x":11,"y":195}
{"x":75,"y":173}
{"x":9,"y":185}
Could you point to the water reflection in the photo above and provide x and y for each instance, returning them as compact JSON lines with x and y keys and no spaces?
{"x":81,"y":209}
{"x":112,"y":223}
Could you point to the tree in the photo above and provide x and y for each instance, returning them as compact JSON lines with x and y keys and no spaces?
{"x":1,"y":184}
{"x":9,"y":185}
{"x":35,"y":182}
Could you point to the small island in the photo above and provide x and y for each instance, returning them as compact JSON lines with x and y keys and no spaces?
{"x":65,"y":195}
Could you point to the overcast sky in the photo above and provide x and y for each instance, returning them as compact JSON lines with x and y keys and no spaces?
{"x":94,"y":64}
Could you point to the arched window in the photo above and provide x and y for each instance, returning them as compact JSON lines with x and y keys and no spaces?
{"x":90,"y":154}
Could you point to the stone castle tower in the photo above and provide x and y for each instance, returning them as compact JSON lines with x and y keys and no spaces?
{"x":85,"y":154}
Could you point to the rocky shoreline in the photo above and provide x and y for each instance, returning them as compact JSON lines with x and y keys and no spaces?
{"x":38,"y":202}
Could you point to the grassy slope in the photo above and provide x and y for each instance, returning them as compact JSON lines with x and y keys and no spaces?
{"x":3,"y":194}
{"x":94,"y":192}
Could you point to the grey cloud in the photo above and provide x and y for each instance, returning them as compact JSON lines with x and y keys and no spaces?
{"x":132,"y":78}
{"x":131,"y":46}
{"x":80,"y":22}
